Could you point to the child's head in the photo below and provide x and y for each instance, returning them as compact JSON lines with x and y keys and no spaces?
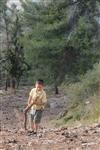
{"x":39,"y":84}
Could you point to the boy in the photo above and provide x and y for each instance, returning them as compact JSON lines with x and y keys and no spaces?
{"x":36,"y":102}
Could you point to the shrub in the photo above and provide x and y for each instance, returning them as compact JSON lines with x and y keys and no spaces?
{"x":85,"y":95}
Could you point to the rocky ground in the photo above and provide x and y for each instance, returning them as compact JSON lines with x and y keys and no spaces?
{"x":13,"y":136}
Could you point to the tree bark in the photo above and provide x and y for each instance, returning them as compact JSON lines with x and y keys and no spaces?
{"x":18,"y":81}
{"x":25,"y":115}
{"x":56,"y":89}
{"x":7,"y":83}
{"x":13,"y":83}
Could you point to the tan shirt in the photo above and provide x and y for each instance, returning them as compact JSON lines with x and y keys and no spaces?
{"x":38,"y":96}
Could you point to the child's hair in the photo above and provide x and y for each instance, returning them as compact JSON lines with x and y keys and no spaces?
{"x":40,"y":81}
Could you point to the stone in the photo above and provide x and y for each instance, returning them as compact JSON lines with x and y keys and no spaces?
{"x":53,"y":105}
{"x":12,"y":141}
{"x":62,"y":114}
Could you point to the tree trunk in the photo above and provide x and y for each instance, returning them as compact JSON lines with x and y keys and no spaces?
{"x":13,"y":85}
{"x":18,"y":81}
{"x":56,"y":89}
{"x":7,"y":84}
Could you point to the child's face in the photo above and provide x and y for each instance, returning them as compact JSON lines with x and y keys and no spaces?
{"x":39,"y":86}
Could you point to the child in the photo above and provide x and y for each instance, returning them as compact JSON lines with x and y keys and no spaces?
{"x":36,"y":102}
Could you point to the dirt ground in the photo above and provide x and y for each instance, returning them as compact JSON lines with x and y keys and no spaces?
{"x":49,"y":137}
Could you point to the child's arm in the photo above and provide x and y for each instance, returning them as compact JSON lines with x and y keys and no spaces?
{"x":29,"y":100}
{"x":30,"y":103}
{"x":29,"y":106}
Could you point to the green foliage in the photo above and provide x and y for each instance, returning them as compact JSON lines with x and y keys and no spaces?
{"x":57,"y":38}
{"x":13,"y":62}
{"x":85,"y":95}
{"x":60,"y":35}
{"x":89,"y":84}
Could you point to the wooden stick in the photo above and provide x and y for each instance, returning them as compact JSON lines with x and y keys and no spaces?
{"x":25,"y":114}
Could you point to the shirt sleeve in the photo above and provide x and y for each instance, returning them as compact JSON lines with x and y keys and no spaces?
{"x":44,"y":100}
{"x":30,"y":94}
{"x":33,"y":94}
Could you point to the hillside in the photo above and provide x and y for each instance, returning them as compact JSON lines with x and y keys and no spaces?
{"x":13,"y":136}
{"x":84,"y":97}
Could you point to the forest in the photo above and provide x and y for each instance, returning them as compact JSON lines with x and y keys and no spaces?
{"x":57,"y":41}
{"x":53,"y":40}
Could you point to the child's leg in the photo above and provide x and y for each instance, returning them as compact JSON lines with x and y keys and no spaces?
{"x":32,"y":122}
{"x":32,"y":126}
{"x":37,"y":119}
{"x":36,"y":126}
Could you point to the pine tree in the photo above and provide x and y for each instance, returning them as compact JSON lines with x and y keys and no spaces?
{"x":60,"y":35}
{"x":14,"y":61}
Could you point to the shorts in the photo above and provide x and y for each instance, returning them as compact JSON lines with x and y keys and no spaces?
{"x":36,"y":116}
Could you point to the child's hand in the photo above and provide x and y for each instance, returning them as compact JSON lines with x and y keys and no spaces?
{"x":25,"y":110}
{"x":36,"y":98}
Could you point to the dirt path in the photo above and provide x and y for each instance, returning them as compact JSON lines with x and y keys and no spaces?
{"x":13,"y":136}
